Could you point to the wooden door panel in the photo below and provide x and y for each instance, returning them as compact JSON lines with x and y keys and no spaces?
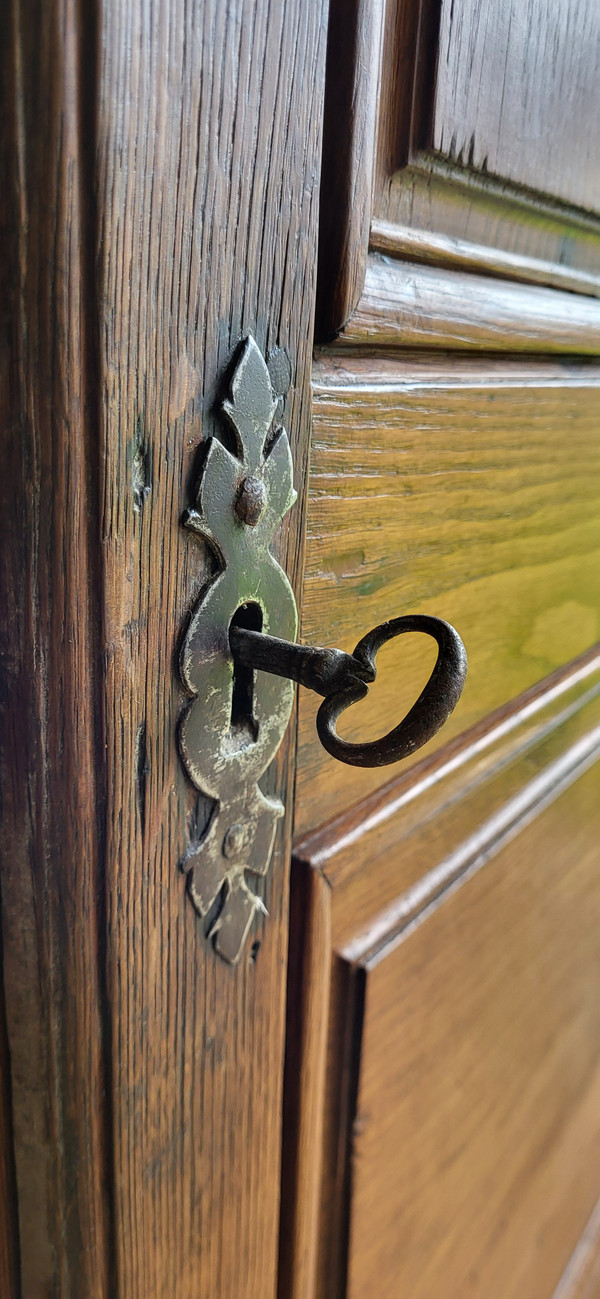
{"x":476,"y":1157}
{"x":462,"y":144}
{"x":513,"y":85}
{"x":471,"y":492}
{"x":448,"y":947}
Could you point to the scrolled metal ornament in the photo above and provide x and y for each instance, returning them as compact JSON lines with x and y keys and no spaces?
{"x":234,"y":724}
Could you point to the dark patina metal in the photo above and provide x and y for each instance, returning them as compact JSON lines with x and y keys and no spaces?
{"x":345,"y":678}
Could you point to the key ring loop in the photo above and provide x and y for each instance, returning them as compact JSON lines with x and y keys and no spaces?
{"x":427,"y":715}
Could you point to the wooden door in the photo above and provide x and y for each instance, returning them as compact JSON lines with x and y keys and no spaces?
{"x":442,"y":1134}
{"x":160,"y":200}
{"x":438,"y":1126}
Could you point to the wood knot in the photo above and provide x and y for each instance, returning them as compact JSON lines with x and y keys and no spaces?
{"x":251,"y":501}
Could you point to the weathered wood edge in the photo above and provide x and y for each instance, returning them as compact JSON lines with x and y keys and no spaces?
{"x":406,"y":305}
{"x":351,"y":85}
{"x":337,"y":1088}
{"x":304,"y":1082}
{"x":448,"y":253}
{"x":581,"y":1276}
{"x":52,"y":884}
{"x":500,"y":732}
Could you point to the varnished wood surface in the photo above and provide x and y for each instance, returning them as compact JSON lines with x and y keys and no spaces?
{"x":434,"y":812}
{"x":407,"y":305}
{"x":459,"y":254}
{"x":208,"y":166}
{"x":353,"y":52}
{"x":51,"y":840}
{"x":472,"y":823}
{"x":469,"y":491}
{"x":516,"y":89}
{"x":476,"y":1148}
{"x":422,"y":204}
{"x":146,"y":1073}
{"x":581,"y":1278}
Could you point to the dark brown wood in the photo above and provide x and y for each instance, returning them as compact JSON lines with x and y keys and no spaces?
{"x":209,"y":124}
{"x":451,"y":488}
{"x":480,"y":1063}
{"x":9,"y":1225}
{"x":404,"y":305}
{"x":461,"y":845}
{"x":51,"y":734}
{"x":146,"y":1074}
{"x":514,"y":91}
{"x":422,"y":204}
{"x":353,"y":52}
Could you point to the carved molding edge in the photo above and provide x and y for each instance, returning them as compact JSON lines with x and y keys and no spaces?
{"x":233,"y":726}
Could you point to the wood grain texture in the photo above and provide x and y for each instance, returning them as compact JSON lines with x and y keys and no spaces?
{"x":433,"y":813}
{"x":459,"y":254}
{"x":52,"y":789}
{"x":209,"y":125}
{"x":405,"y":305}
{"x":440,"y":209}
{"x":9,"y":1223}
{"x":478,"y":1108}
{"x":581,"y":1278}
{"x":515,"y":87}
{"x":484,"y":958}
{"x":468,"y":491}
{"x":353,"y":53}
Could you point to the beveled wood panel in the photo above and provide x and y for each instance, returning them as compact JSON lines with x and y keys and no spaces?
{"x":439,"y":209}
{"x":406,"y":305}
{"x":476,"y":1150}
{"x":467,"y":490}
{"x":433,"y":812}
{"x":517,"y":92}
{"x":450,"y":253}
{"x":450,"y":930}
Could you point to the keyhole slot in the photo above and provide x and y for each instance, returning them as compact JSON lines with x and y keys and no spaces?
{"x":243,"y":725}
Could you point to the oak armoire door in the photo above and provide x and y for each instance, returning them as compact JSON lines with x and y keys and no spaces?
{"x":159,"y":204}
{"x":442,"y":1131}
{"x":428,"y":1124}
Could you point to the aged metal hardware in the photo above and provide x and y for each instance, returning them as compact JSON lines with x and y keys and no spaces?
{"x":239,"y":660}
{"x":345,"y":678}
{"x":232,"y":729}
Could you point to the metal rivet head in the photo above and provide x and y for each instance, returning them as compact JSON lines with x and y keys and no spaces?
{"x":234,"y":841}
{"x":251,"y":501}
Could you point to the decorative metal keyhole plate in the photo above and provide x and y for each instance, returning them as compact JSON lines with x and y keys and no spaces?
{"x":235,"y":722}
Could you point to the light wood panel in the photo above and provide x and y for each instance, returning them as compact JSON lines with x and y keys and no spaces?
{"x":515,"y":87}
{"x":468,"y":491}
{"x":492,"y":848}
{"x":581,"y":1278}
{"x":476,"y":1147}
